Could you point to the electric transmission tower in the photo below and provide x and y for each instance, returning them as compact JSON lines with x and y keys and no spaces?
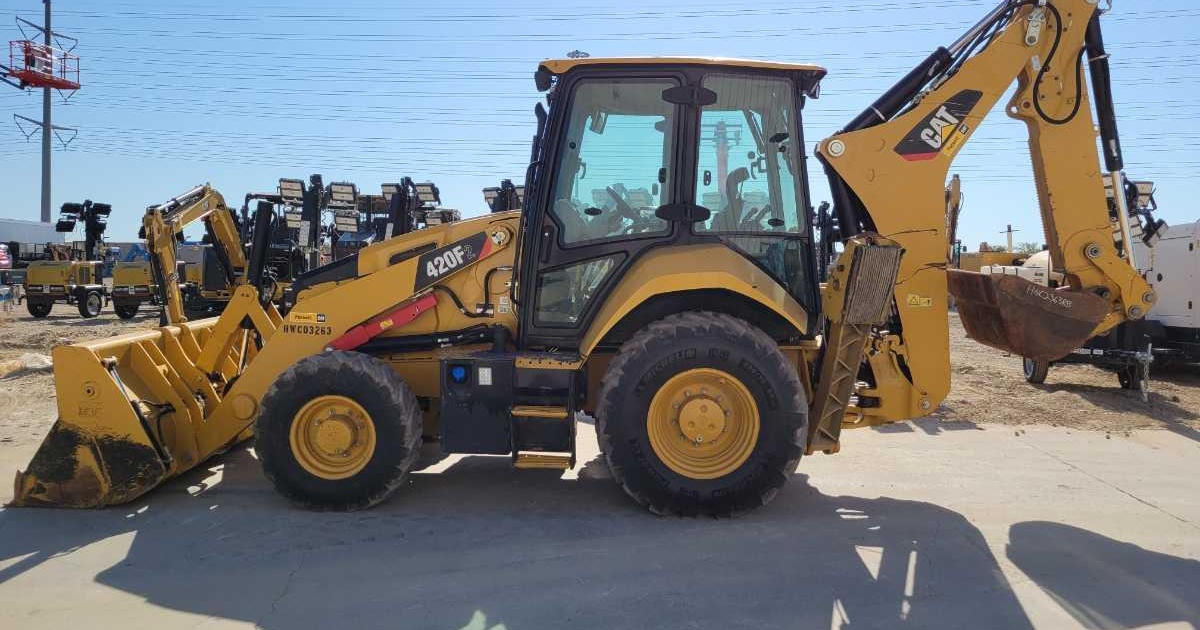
{"x":48,"y":65}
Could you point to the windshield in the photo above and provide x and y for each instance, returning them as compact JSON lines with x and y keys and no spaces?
{"x":746,"y":172}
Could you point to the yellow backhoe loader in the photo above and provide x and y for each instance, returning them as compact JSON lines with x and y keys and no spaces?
{"x":650,"y":279}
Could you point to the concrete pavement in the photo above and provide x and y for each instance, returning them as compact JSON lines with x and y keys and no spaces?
{"x":930,"y":525}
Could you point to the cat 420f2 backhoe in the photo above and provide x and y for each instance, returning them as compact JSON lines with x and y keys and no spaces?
{"x":652,"y":279}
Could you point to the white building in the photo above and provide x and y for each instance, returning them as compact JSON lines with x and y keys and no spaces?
{"x":23,"y":231}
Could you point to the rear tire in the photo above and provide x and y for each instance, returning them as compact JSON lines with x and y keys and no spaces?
{"x":1035,"y":371}
{"x":38,"y":309}
{"x":126,"y":311}
{"x":733,"y":361}
{"x":310,"y":476}
{"x":90,"y":304}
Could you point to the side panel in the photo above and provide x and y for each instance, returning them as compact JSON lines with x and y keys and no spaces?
{"x":1173,"y":270}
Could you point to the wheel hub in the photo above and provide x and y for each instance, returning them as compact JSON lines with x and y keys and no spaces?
{"x":702,"y":419}
{"x":332,"y":437}
{"x":335,"y":435}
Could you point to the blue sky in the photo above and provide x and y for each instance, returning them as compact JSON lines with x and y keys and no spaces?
{"x":240,"y":94}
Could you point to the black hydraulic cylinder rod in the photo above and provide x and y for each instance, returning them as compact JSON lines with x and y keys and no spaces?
{"x":264,"y":214}
{"x":902,"y":93}
{"x":1102,"y":95}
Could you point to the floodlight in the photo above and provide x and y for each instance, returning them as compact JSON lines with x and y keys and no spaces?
{"x":103,"y":209}
{"x":65,"y":225}
{"x":72,"y":208}
{"x":346,"y":220}
{"x":294,"y":217}
{"x":1145,"y":198}
{"x":292,"y":190}
{"x":389,"y":190}
{"x":490,"y":195}
{"x":343,"y":195}
{"x":520,"y":194}
{"x":428,"y":193}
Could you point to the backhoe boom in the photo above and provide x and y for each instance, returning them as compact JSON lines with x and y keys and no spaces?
{"x":164,"y":222}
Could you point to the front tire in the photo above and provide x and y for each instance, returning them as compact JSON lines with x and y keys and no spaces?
{"x":338,"y":431}
{"x":700,"y":413}
{"x":90,"y":304}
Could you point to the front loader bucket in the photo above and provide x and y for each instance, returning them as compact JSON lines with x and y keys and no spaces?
{"x":85,"y":467}
{"x":125,"y":420}
{"x":1027,"y":319}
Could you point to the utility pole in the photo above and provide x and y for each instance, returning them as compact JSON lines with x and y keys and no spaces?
{"x":1009,"y":232}
{"x":49,"y":68}
{"x":47,"y":126}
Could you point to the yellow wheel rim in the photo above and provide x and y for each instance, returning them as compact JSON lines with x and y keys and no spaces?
{"x":703,"y":423}
{"x":332,"y":437}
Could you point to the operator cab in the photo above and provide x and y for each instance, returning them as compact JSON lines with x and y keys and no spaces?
{"x":640,"y":153}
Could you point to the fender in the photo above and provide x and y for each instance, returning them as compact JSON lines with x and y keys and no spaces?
{"x":676,"y":269}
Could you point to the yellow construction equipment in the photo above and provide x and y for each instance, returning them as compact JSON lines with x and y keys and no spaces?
{"x":73,"y":277}
{"x":76,"y":282}
{"x":162,"y":228}
{"x":133,"y":285}
{"x":651,"y":279}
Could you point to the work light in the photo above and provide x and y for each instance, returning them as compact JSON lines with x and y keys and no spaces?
{"x":428,"y":193}
{"x":343,"y":195}
{"x":292,"y":191}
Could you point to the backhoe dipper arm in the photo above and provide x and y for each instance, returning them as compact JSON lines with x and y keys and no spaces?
{"x":163,"y":222}
{"x":888,"y":169}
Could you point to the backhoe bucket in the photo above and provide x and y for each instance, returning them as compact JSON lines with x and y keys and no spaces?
{"x":110,"y":444}
{"x":1027,"y":319}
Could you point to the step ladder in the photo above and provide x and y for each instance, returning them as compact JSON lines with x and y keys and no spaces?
{"x":546,"y":393}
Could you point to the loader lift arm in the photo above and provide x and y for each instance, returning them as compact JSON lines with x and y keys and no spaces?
{"x":887,"y":170}
{"x":163,"y":222}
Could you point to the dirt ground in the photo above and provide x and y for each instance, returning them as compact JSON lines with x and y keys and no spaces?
{"x":987,"y":384}
{"x":27,"y":405}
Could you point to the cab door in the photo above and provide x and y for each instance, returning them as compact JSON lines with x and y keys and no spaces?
{"x":614,"y":168}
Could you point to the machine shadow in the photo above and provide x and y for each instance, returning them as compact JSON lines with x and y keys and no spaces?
{"x":1105,"y":583}
{"x":477,"y":541}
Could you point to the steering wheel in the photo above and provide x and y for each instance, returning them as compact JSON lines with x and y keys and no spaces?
{"x":623,"y":207}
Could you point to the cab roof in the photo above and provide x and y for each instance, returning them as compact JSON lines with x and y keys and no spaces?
{"x":559,"y":66}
